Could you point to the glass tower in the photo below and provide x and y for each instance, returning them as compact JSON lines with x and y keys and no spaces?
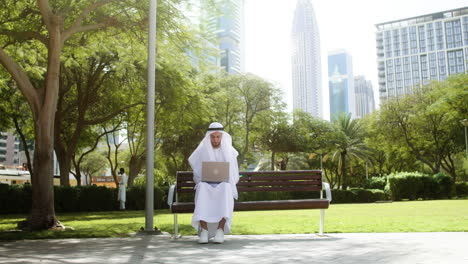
{"x":226,"y":22}
{"x":414,"y":51}
{"x":306,"y":66}
{"x":365,"y":103}
{"x":341,"y":83}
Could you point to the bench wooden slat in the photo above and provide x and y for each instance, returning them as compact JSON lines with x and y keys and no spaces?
{"x":279,"y":183}
{"x":279,"y":177}
{"x":281,"y":172}
{"x":278,"y":189}
{"x":261,"y":205}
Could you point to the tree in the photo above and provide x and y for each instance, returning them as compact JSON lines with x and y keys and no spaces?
{"x":426,"y":123}
{"x":239,"y":100}
{"x":348,"y":145}
{"x":91,"y":165}
{"x":44,"y":29}
{"x":317,"y":138}
{"x":90,"y":94}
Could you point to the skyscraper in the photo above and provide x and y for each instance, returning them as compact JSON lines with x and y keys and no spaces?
{"x":341,"y":83}
{"x":413,"y":51}
{"x":9,"y":147}
{"x":227,"y":23}
{"x":306,"y":66}
{"x":365,"y":103}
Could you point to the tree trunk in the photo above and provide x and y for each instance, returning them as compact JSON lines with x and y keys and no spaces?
{"x":64,"y":161}
{"x":135,"y":165}
{"x":78,"y":174}
{"x":343,"y":171}
{"x":272,"y":160}
{"x":43,"y":210}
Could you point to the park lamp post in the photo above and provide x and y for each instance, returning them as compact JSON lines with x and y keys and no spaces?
{"x":149,"y":208}
{"x":465,"y":124}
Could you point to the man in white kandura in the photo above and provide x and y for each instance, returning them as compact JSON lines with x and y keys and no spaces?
{"x":214,"y":202}
{"x":122,"y":196}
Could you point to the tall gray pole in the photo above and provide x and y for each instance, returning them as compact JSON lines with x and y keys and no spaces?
{"x":149,"y":209}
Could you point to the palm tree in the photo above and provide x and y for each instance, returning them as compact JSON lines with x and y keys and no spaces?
{"x":349,"y":144}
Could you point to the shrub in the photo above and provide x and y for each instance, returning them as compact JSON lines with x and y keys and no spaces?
{"x":376,"y":183}
{"x":414,"y":185}
{"x":18,"y":198}
{"x":461,"y":189}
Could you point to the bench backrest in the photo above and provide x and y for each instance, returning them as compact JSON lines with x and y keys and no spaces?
{"x":263,"y":181}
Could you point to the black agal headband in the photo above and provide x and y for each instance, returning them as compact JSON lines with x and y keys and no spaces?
{"x":216,"y":129}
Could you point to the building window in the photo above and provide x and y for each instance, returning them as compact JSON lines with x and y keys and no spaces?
{"x":388,"y":44}
{"x":442,"y":65}
{"x":459,"y":61}
{"x":433,"y":66}
{"x":439,"y":36}
{"x":422,"y":39}
{"x":465,"y":29}
{"x":424,"y":74}
{"x":396,"y":42}
{"x":413,"y":40}
{"x":430,"y":37}
{"x":404,"y":42}
{"x":453,"y":34}
{"x":415,"y":68}
{"x":457,"y":34}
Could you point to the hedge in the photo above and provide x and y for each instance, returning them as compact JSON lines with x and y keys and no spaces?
{"x":416,"y":185}
{"x":376,"y":183}
{"x":461,"y":189}
{"x":17,"y":198}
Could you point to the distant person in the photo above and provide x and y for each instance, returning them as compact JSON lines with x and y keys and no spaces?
{"x":214,"y":202}
{"x":122,"y":188}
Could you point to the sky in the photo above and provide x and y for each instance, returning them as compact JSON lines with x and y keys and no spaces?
{"x":343,"y":25}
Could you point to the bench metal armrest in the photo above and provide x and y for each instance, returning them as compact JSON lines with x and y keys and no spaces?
{"x":170,"y":196}
{"x":328,"y":194}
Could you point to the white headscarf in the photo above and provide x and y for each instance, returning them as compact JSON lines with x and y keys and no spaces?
{"x":205,"y":152}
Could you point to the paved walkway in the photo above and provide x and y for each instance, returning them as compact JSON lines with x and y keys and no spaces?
{"x":333,"y":248}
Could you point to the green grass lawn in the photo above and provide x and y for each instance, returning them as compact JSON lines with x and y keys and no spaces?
{"x":411,"y":216}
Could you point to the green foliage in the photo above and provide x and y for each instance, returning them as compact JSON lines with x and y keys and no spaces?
{"x":424,"y":126}
{"x":357,"y":195}
{"x":136,"y":197}
{"x":376,"y":183}
{"x":461,"y":189}
{"x":414,"y":185}
{"x":17,"y":198}
{"x":349,"y":145}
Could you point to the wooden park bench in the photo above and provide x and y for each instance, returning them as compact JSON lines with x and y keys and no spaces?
{"x":259,"y":181}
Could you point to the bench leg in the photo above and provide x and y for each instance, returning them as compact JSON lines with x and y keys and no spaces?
{"x":176,"y":227}
{"x":322,"y":221}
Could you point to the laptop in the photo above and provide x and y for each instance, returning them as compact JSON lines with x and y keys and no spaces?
{"x":215,"y":171}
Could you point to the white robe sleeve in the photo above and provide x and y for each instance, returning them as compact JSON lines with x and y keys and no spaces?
{"x":196,"y":176}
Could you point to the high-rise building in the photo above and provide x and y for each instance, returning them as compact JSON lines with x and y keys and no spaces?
{"x":365,"y":103}
{"x":341,"y":83}
{"x":306,"y":66}
{"x":226,"y":21}
{"x":9,"y":148}
{"x":413,"y":51}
